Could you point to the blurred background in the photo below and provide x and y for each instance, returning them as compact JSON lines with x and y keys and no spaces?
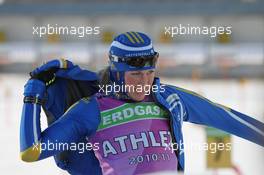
{"x":228,"y":68}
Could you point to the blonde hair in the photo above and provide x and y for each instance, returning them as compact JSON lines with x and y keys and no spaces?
{"x":104,"y":76}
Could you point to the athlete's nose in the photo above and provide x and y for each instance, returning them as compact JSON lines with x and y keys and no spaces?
{"x":144,"y":78}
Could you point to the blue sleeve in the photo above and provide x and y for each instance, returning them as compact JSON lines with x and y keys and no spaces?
{"x":79,"y":121}
{"x":202,"y":111}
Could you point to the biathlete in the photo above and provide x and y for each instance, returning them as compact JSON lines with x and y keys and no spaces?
{"x":126,"y":130}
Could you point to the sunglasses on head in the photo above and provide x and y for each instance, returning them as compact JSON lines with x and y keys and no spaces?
{"x":140,"y":61}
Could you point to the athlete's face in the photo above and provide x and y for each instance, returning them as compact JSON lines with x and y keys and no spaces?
{"x":141,"y":81}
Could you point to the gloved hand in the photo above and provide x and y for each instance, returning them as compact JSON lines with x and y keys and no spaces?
{"x":46,"y":72}
{"x":41,"y":77}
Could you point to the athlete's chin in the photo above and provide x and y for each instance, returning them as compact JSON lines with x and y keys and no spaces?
{"x":137,"y":96}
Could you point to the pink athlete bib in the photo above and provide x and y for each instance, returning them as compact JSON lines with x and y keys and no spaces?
{"x":133,"y":138}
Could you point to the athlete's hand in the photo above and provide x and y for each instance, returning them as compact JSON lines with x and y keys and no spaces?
{"x":46,"y":72}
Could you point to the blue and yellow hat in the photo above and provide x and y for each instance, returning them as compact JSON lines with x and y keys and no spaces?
{"x":132,"y":51}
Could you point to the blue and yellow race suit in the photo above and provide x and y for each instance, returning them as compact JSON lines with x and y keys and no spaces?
{"x":82,"y":122}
